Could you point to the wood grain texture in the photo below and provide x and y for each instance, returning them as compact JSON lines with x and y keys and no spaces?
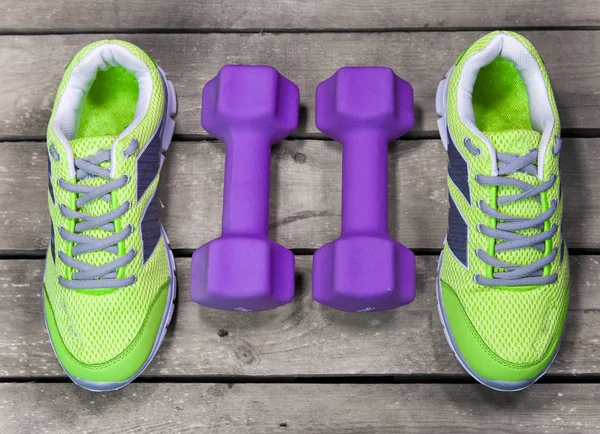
{"x":299,"y":408}
{"x":31,"y":68}
{"x":302,"y":338}
{"x":305,"y":193}
{"x":88,"y":15}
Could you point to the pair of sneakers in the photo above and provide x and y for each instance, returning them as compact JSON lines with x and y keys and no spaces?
{"x":109,"y":282}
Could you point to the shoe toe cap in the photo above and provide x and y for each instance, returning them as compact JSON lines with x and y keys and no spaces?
{"x":479,"y":359}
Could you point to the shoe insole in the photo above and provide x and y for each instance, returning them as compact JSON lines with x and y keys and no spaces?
{"x":109,"y":106}
{"x":500,"y":99}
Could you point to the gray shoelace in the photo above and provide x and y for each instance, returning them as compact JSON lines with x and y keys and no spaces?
{"x":506,"y":231}
{"x":91,"y":276}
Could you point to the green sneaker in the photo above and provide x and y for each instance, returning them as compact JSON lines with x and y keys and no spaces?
{"x":109,"y":281}
{"x":503,"y":279}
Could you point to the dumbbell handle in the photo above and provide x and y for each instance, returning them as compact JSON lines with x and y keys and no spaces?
{"x":246,"y":189}
{"x":365,"y":183}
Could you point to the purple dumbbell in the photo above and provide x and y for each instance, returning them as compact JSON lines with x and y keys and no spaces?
{"x":364,"y":270}
{"x":250,"y":108}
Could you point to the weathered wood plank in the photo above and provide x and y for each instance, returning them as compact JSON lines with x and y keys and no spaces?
{"x":32,"y":66}
{"x":306,"y":193}
{"x":108,"y":15}
{"x":302,"y":338}
{"x":299,"y":408}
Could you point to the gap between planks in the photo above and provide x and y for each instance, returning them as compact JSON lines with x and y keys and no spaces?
{"x":283,"y":31}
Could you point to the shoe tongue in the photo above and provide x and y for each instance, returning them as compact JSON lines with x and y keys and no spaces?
{"x":83,"y":149}
{"x":514,"y":141}
{"x":518,"y":142}
{"x":89,"y":146}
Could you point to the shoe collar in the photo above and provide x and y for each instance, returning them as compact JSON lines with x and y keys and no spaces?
{"x":510,"y":48}
{"x":81,"y":79}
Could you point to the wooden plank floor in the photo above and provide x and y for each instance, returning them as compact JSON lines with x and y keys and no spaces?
{"x":302,"y":368}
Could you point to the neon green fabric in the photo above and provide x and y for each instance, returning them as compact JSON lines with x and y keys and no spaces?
{"x":110,"y":103}
{"x":105,"y":335}
{"x":500,"y":99}
{"x":124,"y":365}
{"x":504,"y":334}
{"x":480,"y":357}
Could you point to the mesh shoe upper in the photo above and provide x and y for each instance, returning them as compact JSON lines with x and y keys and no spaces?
{"x":518,"y":325}
{"x":97,"y":325}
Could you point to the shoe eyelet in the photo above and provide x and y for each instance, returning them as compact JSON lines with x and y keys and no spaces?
{"x":478,"y":227}
{"x":471,"y":148}
{"x":556,"y":148}
{"x":130,"y":150}
{"x":53,"y":153}
{"x":474,"y":278}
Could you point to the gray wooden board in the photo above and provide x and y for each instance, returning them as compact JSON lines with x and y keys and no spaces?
{"x":299,"y":408}
{"x":305,"y":193}
{"x":59,"y":15}
{"x":302,"y":338}
{"x":31,"y":68}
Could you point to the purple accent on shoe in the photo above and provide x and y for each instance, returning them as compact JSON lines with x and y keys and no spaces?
{"x":149,"y":164}
{"x":364,"y":270}
{"x":150,"y":227}
{"x":457,"y":237}
{"x":250,"y":108}
{"x":458,"y":170}
{"x":50,"y":187}
{"x":52,"y":243}
{"x":149,"y":158}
